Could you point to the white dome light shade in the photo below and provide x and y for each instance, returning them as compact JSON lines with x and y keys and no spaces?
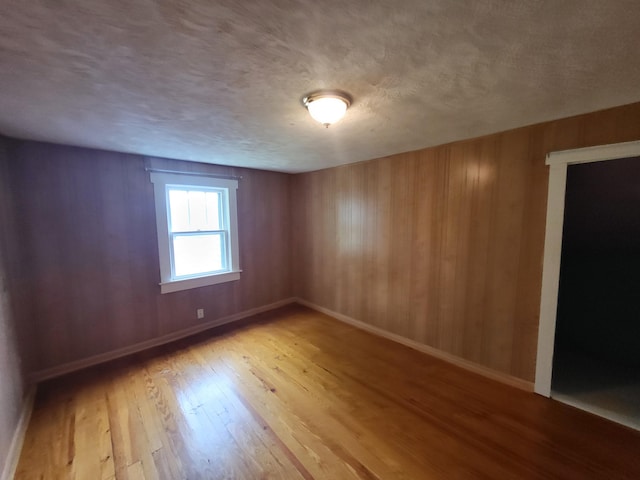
{"x":327,"y":107}
{"x":327,"y":110}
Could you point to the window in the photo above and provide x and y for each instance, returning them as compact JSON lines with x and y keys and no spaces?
{"x":197,"y":230}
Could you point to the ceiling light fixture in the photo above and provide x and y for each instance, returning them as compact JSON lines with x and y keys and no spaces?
{"x":327,"y":106}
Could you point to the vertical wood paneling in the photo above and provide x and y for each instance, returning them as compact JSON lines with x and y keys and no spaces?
{"x":12,"y":385}
{"x":451,"y":238}
{"x":481,"y":171}
{"x":89,"y":250}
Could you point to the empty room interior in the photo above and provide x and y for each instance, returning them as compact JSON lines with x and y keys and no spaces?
{"x":319,"y":240}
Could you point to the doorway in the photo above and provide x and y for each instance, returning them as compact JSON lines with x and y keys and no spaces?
{"x":596,"y":361}
{"x":583,"y":354}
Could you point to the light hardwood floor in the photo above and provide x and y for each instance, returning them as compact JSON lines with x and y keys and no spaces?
{"x":298,"y":395}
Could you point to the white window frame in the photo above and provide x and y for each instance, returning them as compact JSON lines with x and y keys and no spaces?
{"x":161,"y":181}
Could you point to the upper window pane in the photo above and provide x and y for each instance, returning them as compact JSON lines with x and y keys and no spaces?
{"x":195,"y":210}
{"x":179,"y":209}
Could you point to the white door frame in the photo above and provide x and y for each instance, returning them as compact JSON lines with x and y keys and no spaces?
{"x":558,"y":163}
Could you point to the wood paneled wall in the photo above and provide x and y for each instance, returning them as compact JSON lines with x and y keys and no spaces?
{"x":90,"y":256}
{"x":444,"y":245}
{"x":11,"y":372}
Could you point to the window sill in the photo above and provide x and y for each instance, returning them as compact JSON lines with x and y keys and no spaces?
{"x":196,"y":282}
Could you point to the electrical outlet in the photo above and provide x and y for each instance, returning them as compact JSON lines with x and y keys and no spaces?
{"x":200,"y":313}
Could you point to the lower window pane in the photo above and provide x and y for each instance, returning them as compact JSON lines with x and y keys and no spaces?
{"x":195,"y":254}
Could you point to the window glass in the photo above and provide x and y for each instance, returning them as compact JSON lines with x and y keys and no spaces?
{"x":197,"y":254}
{"x":195,"y":210}
{"x":179,"y":208}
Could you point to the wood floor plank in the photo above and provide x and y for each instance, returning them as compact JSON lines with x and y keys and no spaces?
{"x":298,"y":395}
{"x":92,"y":436}
{"x":132,"y":444}
{"x":335,"y":412}
{"x":290,"y":425}
{"x":214,"y":420}
{"x":247,"y":429}
{"x":334,"y":405}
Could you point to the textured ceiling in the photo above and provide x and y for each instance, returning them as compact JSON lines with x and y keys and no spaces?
{"x":221,"y":81}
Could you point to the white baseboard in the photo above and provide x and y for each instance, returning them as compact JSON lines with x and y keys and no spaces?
{"x":13,"y":456}
{"x":453,"y":359}
{"x":69,"y":367}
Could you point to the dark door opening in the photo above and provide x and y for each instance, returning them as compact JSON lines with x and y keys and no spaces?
{"x":596,"y":362}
